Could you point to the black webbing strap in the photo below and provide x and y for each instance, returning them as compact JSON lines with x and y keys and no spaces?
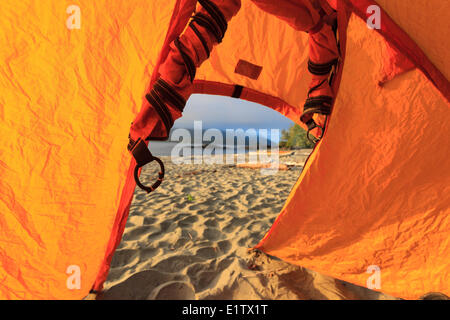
{"x":208,"y":23}
{"x":161,"y":94}
{"x":202,"y":40}
{"x":216,"y":14}
{"x":237,"y":91}
{"x":155,"y":100}
{"x":320,"y":105}
{"x":321,"y":69}
{"x":169,"y":94}
{"x":188,"y":62}
{"x":214,"y":22}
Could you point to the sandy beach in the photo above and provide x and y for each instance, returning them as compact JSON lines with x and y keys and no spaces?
{"x":190,"y":239}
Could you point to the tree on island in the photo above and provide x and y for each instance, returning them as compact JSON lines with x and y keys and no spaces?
{"x":295,"y":137}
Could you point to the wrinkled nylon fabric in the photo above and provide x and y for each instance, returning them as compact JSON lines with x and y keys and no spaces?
{"x":67,"y":100}
{"x":68,"y":97}
{"x":290,"y":71}
{"x":408,"y":33}
{"x":148,"y":121}
{"x":299,"y":15}
{"x":426,"y":22}
{"x":373,"y":192}
{"x":395,"y":63}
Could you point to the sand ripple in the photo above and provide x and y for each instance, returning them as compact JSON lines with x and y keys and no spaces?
{"x":189,"y":239}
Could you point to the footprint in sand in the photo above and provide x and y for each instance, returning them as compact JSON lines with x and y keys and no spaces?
{"x":181,"y":243}
{"x":137,"y":233}
{"x":186,"y":190}
{"x":135,"y":220}
{"x":176,"y":263}
{"x":212,"y":234}
{"x":148,"y":253}
{"x":224,"y":246}
{"x":189,"y":234}
{"x":250,"y":240}
{"x":187,"y":222}
{"x":260,"y":207}
{"x":201,"y":206}
{"x":124,"y":257}
{"x":173,"y":291}
{"x":205,"y":275}
{"x":140,"y":285}
{"x":235,"y":223}
{"x":167,"y":226}
{"x":207,"y":252}
{"x":250,"y":197}
{"x":140,"y":196}
{"x":258,"y":227}
{"x":154,"y":237}
{"x":205,"y":280}
{"x":180,"y":204}
{"x":149,"y":220}
{"x":211,"y":223}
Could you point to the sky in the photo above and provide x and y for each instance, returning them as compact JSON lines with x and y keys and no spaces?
{"x":229,"y":113}
{"x":223,"y":113}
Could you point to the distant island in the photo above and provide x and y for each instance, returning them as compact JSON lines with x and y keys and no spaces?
{"x":246,"y":138}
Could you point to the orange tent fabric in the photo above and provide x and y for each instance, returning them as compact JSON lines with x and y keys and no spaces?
{"x":67,"y":99}
{"x":372,"y":193}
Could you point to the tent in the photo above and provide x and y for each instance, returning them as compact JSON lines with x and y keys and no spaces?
{"x":374,"y":192}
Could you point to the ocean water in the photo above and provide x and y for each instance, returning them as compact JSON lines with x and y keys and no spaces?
{"x":165,"y":148}
{"x":238,"y":142}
